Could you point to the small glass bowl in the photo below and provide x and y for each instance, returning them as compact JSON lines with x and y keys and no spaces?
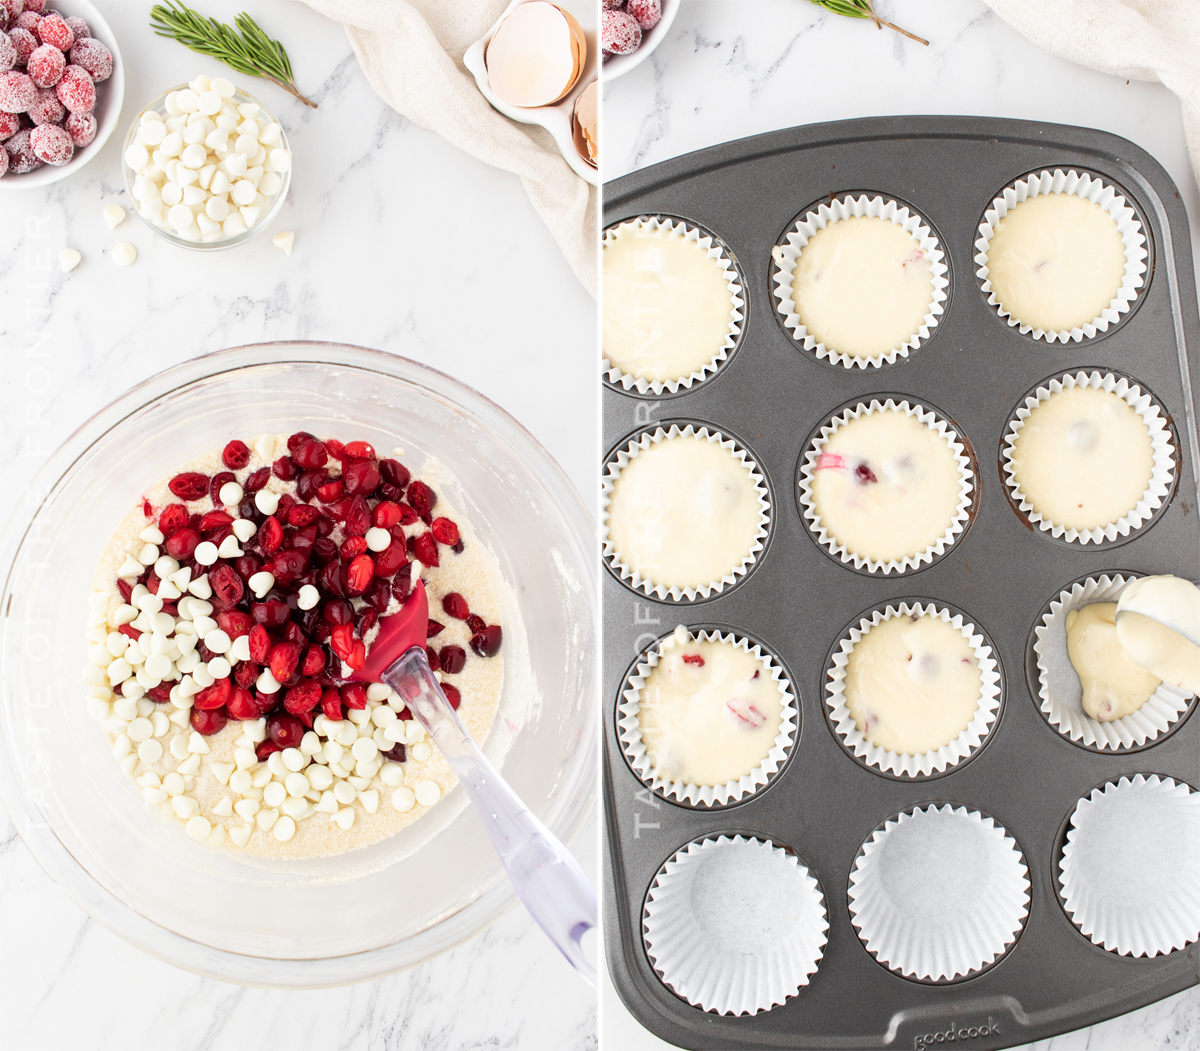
{"x":165,"y":232}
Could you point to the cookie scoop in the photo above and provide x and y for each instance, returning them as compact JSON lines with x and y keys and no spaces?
{"x":1158,"y":625}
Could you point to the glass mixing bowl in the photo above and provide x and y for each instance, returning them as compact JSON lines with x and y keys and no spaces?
{"x":335,"y":920}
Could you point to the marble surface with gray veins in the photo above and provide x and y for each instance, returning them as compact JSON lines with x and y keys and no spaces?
{"x":403,"y":243}
{"x":732,"y":68}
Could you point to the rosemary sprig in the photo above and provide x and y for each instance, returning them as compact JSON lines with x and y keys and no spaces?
{"x":863,"y":9}
{"x":253,"y":53}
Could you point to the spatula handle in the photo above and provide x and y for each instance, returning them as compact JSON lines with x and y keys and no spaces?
{"x":547,"y":878}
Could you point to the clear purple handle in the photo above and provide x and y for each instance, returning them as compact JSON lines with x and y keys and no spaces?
{"x":546,"y":877}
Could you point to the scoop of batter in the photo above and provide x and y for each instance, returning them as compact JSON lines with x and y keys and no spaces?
{"x":1114,"y":684}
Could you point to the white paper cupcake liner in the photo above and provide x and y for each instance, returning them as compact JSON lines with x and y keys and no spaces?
{"x":620,"y":460}
{"x":735,"y":925}
{"x":939,"y":893}
{"x":786,"y":253}
{"x":1092,"y":189}
{"x":1162,"y":471}
{"x":1130,"y":869}
{"x":950,"y":754}
{"x":966,"y":490}
{"x":737,"y":306}
{"x":1061,"y":692}
{"x":704,"y":795}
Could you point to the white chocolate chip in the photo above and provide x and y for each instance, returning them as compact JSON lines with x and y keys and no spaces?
{"x":307,"y":597}
{"x":285,"y":239}
{"x":198,"y":828}
{"x":284,"y":829}
{"x":240,"y":834}
{"x":124,"y":254}
{"x":427,"y":792}
{"x":68,"y":259}
{"x":344,"y":818}
{"x":403,"y":799}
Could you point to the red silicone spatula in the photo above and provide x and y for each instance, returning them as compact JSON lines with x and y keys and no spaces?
{"x":547,"y":878}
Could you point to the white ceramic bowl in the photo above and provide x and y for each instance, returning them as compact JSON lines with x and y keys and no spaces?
{"x":109,"y":96}
{"x":293,"y":924}
{"x":555,"y":119}
{"x":164,"y":231}
{"x":616,"y":65}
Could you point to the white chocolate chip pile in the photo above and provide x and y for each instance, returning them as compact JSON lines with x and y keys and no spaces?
{"x":158,"y":657}
{"x":208,"y":168}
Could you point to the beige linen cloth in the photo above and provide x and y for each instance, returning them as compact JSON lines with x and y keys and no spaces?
{"x":411,"y":52}
{"x":1155,"y":40}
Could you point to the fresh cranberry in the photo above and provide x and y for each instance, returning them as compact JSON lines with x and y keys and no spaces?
{"x":214,"y":696}
{"x":260,"y":644}
{"x":314,"y":661}
{"x":235,"y":455}
{"x":358,"y":517}
{"x":191,"y":485}
{"x":864,"y":474}
{"x":433,"y":628}
{"x":241,"y":704}
{"x":303,"y":697}
{"x":208,"y":722}
{"x":338,"y":509}
{"x":264,"y":749}
{"x":125,"y":588}
{"x":182,"y":543}
{"x":361,"y":477}
{"x":365,"y":620}
{"x":302,"y":515}
{"x":234,"y":623}
{"x":310,"y":482}
{"x":378,"y":594}
{"x":270,"y":614}
{"x":331,"y":703}
{"x":395,"y":753}
{"x":247,"y":565}
{"x":249,"y":510}
{"x":444,"y":531}
{"x":338,"y":611}
{"x":256,"y":480}
{"x":329,"y":491}
{"x":385,"y":514}
{"x":402,"y":582}
{"x":352,"y":547}
{"x":285,"y":730}
{"x":422,"y":498}
{"x":407,"y":515}
{"x":390,"y":559}
{"x":270,"y":535}
{"x":294,"y":440}
{"x":324,"y":550}
{"x":310,"y":453}
{"x":342,"y":640}
{"x":214,"y":520}
{"x":216,"y":483}
{"x":476,"y":623}
{"x":424,"y":549}
{"x":431,"y":655}
{"x":329,"y":579}
{"x":486,"y":643}
{"x":284,"y":469}
{"x":453,"y":659}
{"x":394,"y":473}
{"x":354,"y":695}
{"x":453,"y":697}
{"x":160,"y":694}
{"x":359,"y":450}
{"x":245,"y":673}
{"x":173,"y":518}
{"x":324,"y":525}
{"x":227,"y":586}
{"x":289,"y":565}
{"x":457,"y":548}
{"x":456,"y":606}
{"x":336,"y":449}
{"x":358,"y":575}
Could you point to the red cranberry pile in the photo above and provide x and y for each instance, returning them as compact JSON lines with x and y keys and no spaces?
{"x":314,"y":539}
{"x":622,"y":23}
{"x":49,"y":68}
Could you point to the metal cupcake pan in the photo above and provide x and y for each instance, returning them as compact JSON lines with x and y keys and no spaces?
{"x":1000,"y":574}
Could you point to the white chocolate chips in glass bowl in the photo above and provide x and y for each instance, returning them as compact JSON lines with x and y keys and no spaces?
{"x":206,"y":164}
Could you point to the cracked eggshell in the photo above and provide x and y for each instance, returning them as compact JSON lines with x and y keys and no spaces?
{"x":585,"y":124}
{"x":536,"y":55}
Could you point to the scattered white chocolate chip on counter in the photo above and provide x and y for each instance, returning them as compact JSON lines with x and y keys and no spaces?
{"x":114,"y":214}
{"x":284,"y":240}
{"x":68,"y":259}
{"x":124,"y":254}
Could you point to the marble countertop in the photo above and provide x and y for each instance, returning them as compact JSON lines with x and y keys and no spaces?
{"x":403,"y":243}
{"x":729,"y":69}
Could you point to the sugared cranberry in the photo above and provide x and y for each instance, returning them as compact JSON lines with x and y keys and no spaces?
{"x":456,"y":606}
{"x":486,"y":643}
{"x":82,"y":128}
{"x":191,"y":485}
{"x":45,"y":66}
{"x":285,"y":730}
{"x":646,"y":12}
{"x":208,"y":723}
{"x":52,"y":29}
{"x":453,"y":659}
{"x":620,"y":33}
{"x":79,"y":27}
{"x":25,"y":44}
{"x":182,"y":543}
{"x":76,"y":90}
{"x":93,"y":56}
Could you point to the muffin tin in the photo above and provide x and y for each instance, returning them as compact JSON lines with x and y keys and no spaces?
{"x":1000,"y":573}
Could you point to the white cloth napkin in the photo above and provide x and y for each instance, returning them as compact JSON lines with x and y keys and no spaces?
{"x":1155,"y":40}
{"x":411,"y":52}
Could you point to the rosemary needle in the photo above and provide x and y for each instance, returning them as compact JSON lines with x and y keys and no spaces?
{"x":863,"y":9}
